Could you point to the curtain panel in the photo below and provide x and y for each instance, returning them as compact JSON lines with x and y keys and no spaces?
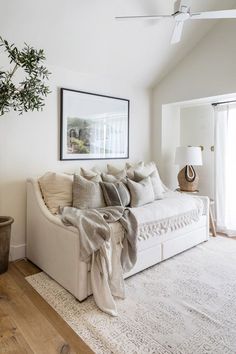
{"x":225,"y":168}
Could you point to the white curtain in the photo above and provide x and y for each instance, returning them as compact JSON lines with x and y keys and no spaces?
{"x":225,"y":168}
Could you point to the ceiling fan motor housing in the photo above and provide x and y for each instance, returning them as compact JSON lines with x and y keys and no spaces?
{"x":181,"y":16}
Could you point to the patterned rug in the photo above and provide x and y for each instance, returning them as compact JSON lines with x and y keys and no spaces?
{"x":185,"y":305}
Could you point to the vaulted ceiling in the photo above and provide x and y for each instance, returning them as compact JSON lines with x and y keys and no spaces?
{"x":83,"y":35}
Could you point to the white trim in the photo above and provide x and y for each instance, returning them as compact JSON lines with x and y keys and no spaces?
{"x":17,"y":252}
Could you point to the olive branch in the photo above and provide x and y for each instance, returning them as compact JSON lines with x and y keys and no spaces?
{"x":29,"y":94}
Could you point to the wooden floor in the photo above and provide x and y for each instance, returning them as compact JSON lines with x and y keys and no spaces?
{"x":27,"y":323}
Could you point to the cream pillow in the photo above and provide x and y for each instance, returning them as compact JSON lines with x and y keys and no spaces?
{"x":87,"y":194}
{"x":136,"y":165}
{"x":155,"y":180}
{"x":133,"y":167}
{"x":141,"y":192}
{"x":112,"y":170}
{"x":146,"y":171}
{"x":56,"y":190}
{"x":120,"y":176}
{"x":148,"y":168}
{"x":89,"y":174}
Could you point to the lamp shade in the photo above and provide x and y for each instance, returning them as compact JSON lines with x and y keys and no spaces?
{"x":188,"y":155}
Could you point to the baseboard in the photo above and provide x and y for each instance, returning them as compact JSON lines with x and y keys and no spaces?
{"x":17,"y":252}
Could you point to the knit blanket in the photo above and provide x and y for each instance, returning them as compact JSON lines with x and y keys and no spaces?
{"x":109,"y":258}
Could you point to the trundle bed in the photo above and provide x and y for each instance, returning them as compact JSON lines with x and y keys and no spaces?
{"x":54,"y":247}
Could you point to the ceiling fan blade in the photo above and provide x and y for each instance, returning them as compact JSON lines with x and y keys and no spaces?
{"x":151,"y":17}
{"x":185,"y":5}
{"x":213,"y":15}
{"x":177,"y":32}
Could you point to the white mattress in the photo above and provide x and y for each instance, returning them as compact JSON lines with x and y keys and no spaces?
{"x":165,"y":218}
{"x":173,"y":212}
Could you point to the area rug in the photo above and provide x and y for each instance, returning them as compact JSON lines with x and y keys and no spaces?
{"x":185,"y":305}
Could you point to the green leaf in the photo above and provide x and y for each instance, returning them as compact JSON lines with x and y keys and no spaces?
{"x":30,"y":93}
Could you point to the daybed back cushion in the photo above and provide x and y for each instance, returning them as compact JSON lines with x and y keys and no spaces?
{"x":115,"y":193}
{"x":56,"y":190}
{"x":155,"y":180}
{"x":87,"y":194}
{"x":141,"y":192}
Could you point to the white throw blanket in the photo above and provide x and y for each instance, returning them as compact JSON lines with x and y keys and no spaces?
{"x":109,"y":257}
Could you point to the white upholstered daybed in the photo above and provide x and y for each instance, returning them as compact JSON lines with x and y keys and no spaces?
{"x":54,"y":247}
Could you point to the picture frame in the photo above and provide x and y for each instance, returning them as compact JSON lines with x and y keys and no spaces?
{"x":93,"y":126}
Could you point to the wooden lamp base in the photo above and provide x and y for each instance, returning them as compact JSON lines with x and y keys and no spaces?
{"x":188,"y":179}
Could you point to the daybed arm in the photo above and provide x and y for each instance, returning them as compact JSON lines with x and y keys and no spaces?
{"x":53,"y":246}
{"x":44,"y":209}
{"x":206,"y":204}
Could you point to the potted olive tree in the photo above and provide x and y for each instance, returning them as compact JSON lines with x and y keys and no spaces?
{"x":26,"y":94}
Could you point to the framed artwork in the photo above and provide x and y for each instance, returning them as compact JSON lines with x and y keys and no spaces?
{"x":93,"y":126}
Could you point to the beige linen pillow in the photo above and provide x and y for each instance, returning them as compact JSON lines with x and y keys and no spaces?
{"x":155,"y":180}
{"x":133,"y":167}
{"x":89,"y":174}
{"x":87,"y":194}
{"x":120,"y":176}
{"x":56,"y":190}
{"x":141,"y":192}
{"x":112,"y":170}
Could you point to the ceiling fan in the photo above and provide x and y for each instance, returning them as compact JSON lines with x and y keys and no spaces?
{"x":182,"y":15}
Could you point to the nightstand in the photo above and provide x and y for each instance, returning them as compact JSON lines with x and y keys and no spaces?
{"x":211,"y":218}
{"x":186,"y":192}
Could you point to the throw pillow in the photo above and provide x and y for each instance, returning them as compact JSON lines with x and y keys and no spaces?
{"x":131,"y":168}
{"x":115,"y":193}
{"x":89,"y":174}
{"x":155,"y":180}
{"x":149,"y":167}
{"x":120,"y":176}
{"x":112,"y":170}
{"x":56,"y":190}
{"x":141,"y":192}
{"x":87,"y":194}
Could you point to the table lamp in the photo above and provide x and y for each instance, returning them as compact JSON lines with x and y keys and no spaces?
{"x":188,"y":156}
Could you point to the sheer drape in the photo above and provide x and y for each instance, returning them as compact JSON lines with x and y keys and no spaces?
{"x":225,"y":168}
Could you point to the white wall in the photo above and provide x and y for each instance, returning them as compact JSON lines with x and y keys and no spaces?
{"x":83,"y":46}
{"x":197,"y":128}
{"x":29,"y":144}
{"x":170,"y":139}
{"x":209,"y":70}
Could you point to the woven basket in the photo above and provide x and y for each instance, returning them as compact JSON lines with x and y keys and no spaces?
{"x":185,"y":185}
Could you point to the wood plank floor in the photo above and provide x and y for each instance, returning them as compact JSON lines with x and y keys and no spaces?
{"x":27,"y":323}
